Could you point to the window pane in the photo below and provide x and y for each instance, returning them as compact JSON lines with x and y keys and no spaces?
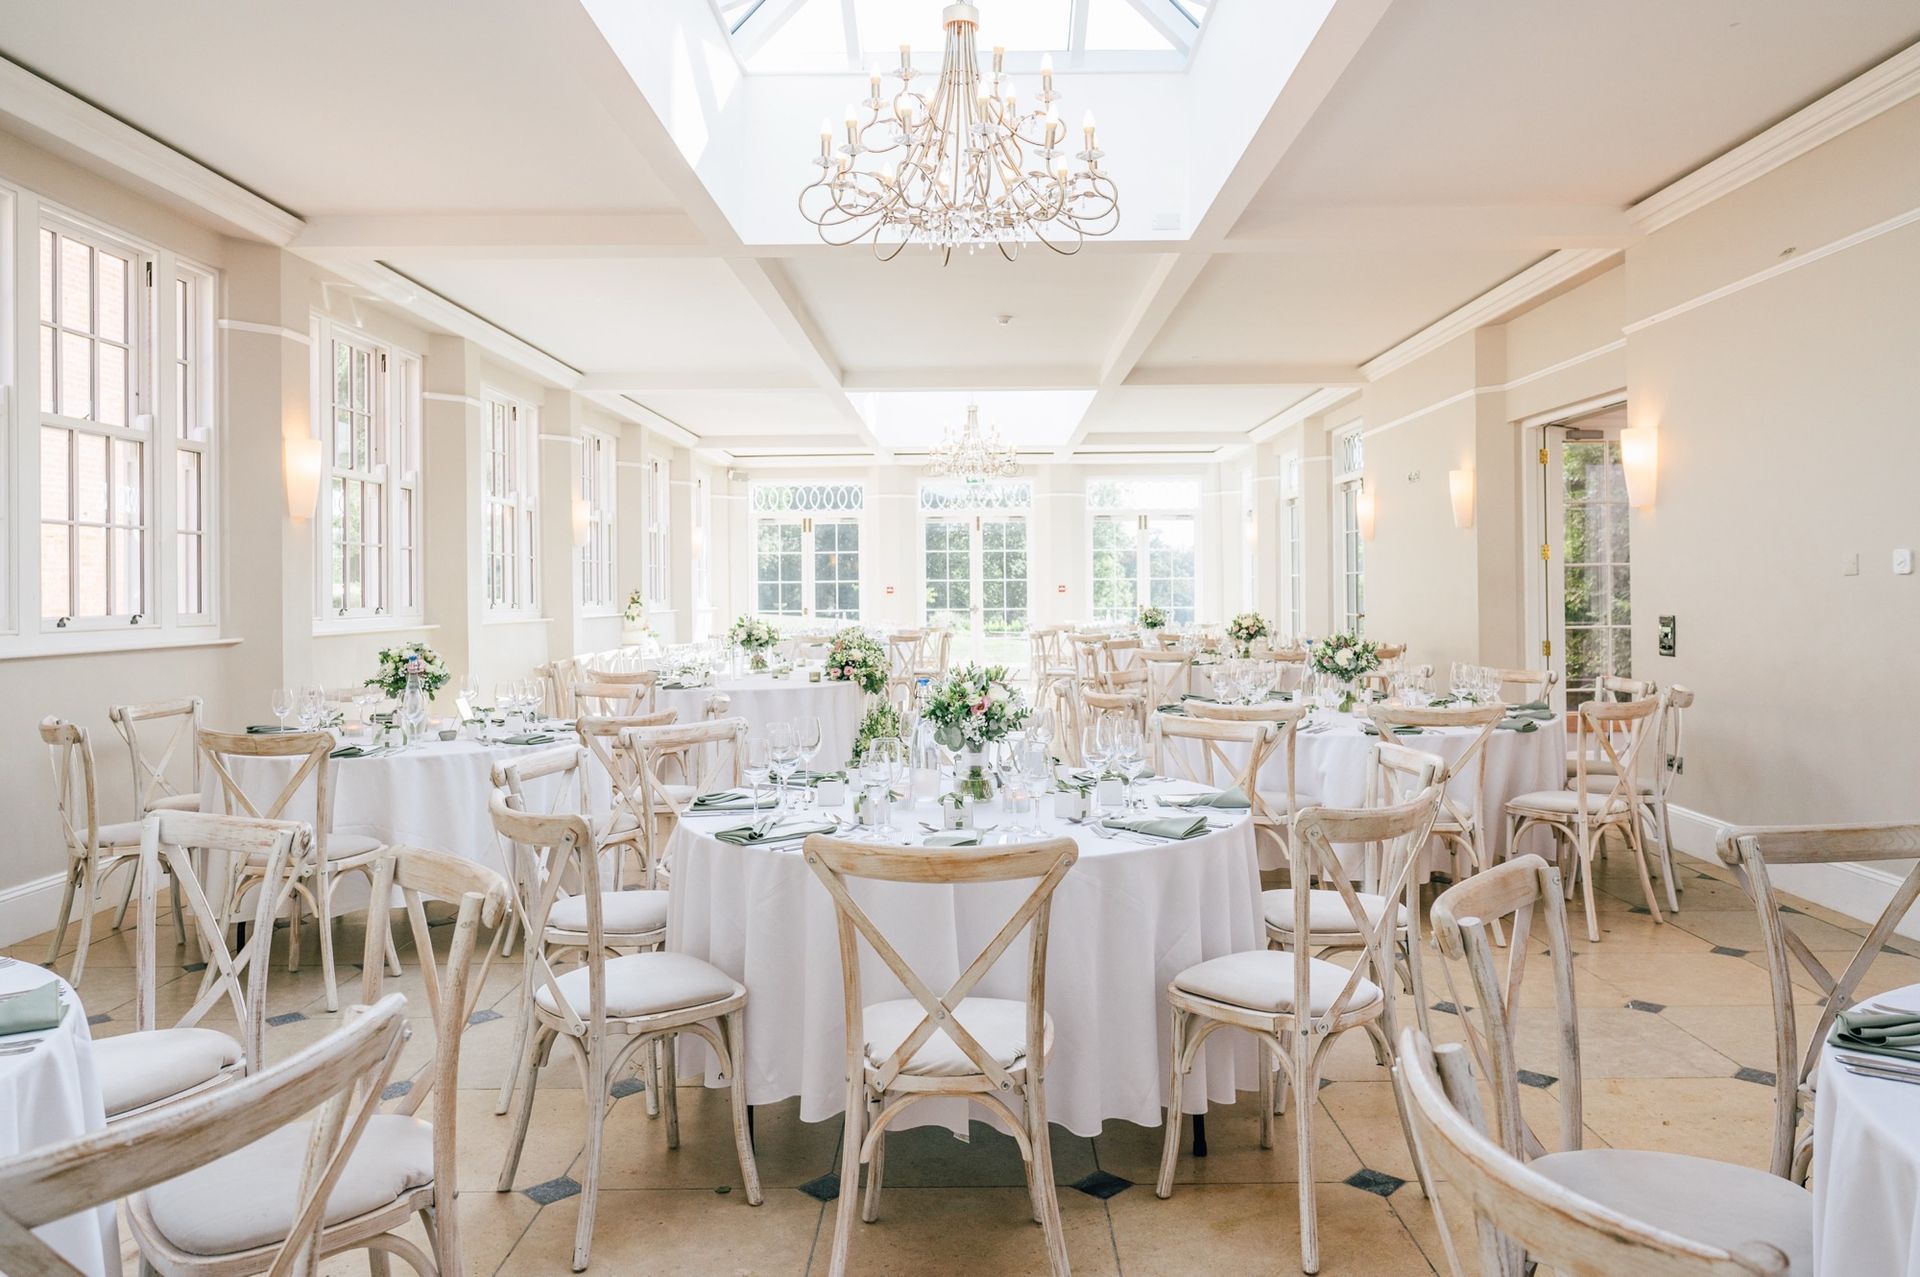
{"x":49,"y":401}
{"x":76,"y":376}
{"x":113,"y":386}
{"x":53,"y":473}
{"x":129,"y":495}
{"x":76,"y":286}
{"x":54,"y":569}
{"x":46,"y":276}
{"x":126,"y":572}
{"x":113,"y":297}
{"x":90,"y":572}
{"x":90,"y":479}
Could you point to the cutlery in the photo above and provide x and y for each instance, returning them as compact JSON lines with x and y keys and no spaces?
{"x":1884,"y":1063}
{"x":1911,"y":1079}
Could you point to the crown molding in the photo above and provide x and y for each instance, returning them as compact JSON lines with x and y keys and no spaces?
{"x":1854,"y":103}
{"x":1317,"y":402}
{"x":47,"y":109}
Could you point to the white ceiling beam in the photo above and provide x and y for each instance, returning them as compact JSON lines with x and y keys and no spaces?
{"x":1246,"y":375}
{"x":1318,"y":227}
{"x":969,"y":378}
{"x":645,"y":417}
{"x":784,"y":308}
{"x":760,"y":28}
{"x":640,"y":381}
{"x":499,"y":235}
{"x":1153,"y":441}
{"x":1177,"y":30}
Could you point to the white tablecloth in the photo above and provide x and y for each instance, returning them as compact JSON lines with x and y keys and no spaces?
{"x":1331,"y":768}
{"x":50,"y":1095}
{"x":763,"y":699}
{"x":1126,"y":919}
{"x":1866,"y":1169}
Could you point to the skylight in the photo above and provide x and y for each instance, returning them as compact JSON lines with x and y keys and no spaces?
{"x":838,"y":36}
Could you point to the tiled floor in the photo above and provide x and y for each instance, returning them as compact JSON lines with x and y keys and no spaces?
{"x":1677,"y":1050}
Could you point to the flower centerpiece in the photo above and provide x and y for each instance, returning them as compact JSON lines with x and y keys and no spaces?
{"x":634,"y":630}
{"x":856,"y":657}
{"x":397,"y":664}
{"x":971,"y":708}
{"x":755,"y":637}
{"x":1153,"y":618}
{"x":1345,"y":658}
{"x":1246,"y":629}
{"x":882,"y":722}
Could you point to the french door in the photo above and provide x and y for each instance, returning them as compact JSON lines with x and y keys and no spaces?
{"x":975,"y":570}
{"x":1586,"y":558}
{"x":807,"y":567}
{"x":1141,"y":560}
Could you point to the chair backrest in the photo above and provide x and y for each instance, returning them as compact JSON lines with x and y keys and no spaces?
{"x":167,"y":725}
{"x":1752,"y":853}
{"x":1043,"y":648}
{"x":1396,"y":774}
{"x":835,"y":861}
{"x":1286,"y":717}
{"x":600,"y":733}
{"x":700,"y":757}
{"x":1613,"y":733}
{"x":554,"y":857}
{"x":313,"y":749}
{"x":170,"y":842}
{"x":76,"y":794}
{"x":341,"y":1076}
{"x":1465,"y":916}
{"x":1533,"y":685}
{"x":1472,"y":760}
{"x":1200,"y":751}
{"x":1128,"y":706}
{"x":1623,"y":689}
{"x":1672,"y":743}
{"x":1521,"y":1214}
{"x":609,"y":694}
{"x":1167,"y":670}
{"x":933,"y":651}
{"x":569,"y":792}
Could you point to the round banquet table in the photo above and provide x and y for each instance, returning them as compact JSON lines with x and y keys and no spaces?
{"x":1127,"y":918}
{"x":49,"y":1095}
{"x":431,"y":794}
{"x":1866,"y":1168}
{"x":763,"y":699}
{"x":1331,"y":760}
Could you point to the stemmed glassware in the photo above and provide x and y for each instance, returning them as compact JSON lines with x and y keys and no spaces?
{"x":755,"y":759}
{"x":281,"y":703}
{"x":808,"y":737}
{"x":1096,"y":747}
{"x":785,"y":755}
{"x":1034,"y":758}
{"x":311,"y":707}
{"x":1130,"y":752}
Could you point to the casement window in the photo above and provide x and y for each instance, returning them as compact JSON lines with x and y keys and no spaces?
{"x":1142,"y":547}
{"x":597,"y":494}
{"x":368,"y":415}
{"x":1349,"y":464}
{"x":807,"y":549}
{"x":659,"y":542}
{"x":509,"y":483}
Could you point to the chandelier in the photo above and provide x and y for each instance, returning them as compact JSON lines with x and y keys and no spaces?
{"x":962,"y":167}
{"x":970,"y":453}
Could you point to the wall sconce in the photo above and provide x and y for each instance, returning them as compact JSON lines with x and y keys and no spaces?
{"x":1363,"y":513}
{"x":1640,"y":461}
{"x":1460,"y":488}
{"x":582,"y":521}
{"x":300,"y":464}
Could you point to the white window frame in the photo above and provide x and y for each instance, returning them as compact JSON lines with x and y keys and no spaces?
{"x":509,"y":504}
{"x":194,"y":393}
{"x":828,"y":501}
{"x":1140,"y":517}
{"x":658,"y":514}
{"x":394,"y":464}
{"x":599,"y":595}
{"x":702,"y":553}
{"x":1349,"y":548}
{"x":1293,"y":548}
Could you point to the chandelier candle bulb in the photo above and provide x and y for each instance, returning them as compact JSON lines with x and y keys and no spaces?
{"x":1086,"y":126}
{"x":1046,"y":72}
{"x":826,"y":138}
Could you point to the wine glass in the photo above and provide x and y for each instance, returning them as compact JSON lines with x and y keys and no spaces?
{"x":281,"y":703}
{"x":1096,"y":747}
{"x":1130,"y":752}
{"x":808,"y":734}
{"x":784,"y":752}
{"x":755,"y":759}
{"x":469,"y":691}
{"x":894,"y":767}
{"x":1036,"y":768}
{"x":310,"y":707}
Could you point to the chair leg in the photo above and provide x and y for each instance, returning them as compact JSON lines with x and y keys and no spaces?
{"x":1304,"y":1070}
{"x":518,"y":1139}
{"x":120,"y":914}
{"x":89,"y":885}
{"x":670,"y":1088}
{"x":1266,"y":1100}
{"x":877,"y":1169}
{"x":1406,"y":1129}
{"x":851,"y":1137}
{"x":596,"y":1088}
{"x":1665,"y":835}
{"x":654,"y":1052}
{"x":1170,"y":1145}
{"x":1042,"y":1172}
{"x":1585,"y":849}
{"x":323,"y":906}
{"x":1638,"y":843}
{"x":733,"y":1032}
{"x":522,"y":1045}
{"x":66,"y":911}
{"x":179,"y":920}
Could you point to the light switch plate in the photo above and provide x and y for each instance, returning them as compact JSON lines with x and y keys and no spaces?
{"x":1850,"y":566}
{"x":1903,"y":562}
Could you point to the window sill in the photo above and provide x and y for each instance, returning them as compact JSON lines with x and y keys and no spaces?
{"x":106,"y":643}
{"x":508,"y":618}
{"x":614,"y":614}
{"x":368,"y":625}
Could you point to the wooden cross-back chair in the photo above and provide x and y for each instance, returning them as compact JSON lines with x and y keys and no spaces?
{"x":1516,"y":1209}
{"x":1752,"y":853}
{"x":903,"y":649}
{"x":452,"y":991}
{"x":153,"y":1066}
{"x":991,"y":1051}
{"x":1259,"y":990}
{"x":1273,"y":809}
{"x":1221,"y":753}
{"x":1084,"y":649}
{"x":1596,"y":801}
{"x":932,"y":661}
{"x":168,"y":725}
{"x":607,"y":1010}
{"x":93,"y":849}
{"x":1118,"y":655}
{"x":630,"y":920}
{"x":616,"y":695}
{"x":1049,"y":663}
{"x":178,"y":1171}
{"x":562,"y":676}
{"x":1533,"y":685}
{"x":623,"y":823}
{"x":1168,"y":671}
{"x":332,"y":854}
{"x":1692,"y":1197}
{"x":1462,"y":825}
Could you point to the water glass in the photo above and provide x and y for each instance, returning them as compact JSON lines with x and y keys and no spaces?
{"x":808,"y":735}
{"x":784,"y":749}
{"x":281,"y":703}
{"x":755,"y":759}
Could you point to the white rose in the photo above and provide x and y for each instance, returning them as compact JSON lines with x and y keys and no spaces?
{"x":998,"y":694}
{"x":1344,"y":656}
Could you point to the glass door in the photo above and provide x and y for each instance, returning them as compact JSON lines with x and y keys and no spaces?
{"x":975,"y":571}
{"x":1586,"y":553}
{"x":807,"y":568}
{"x":1142,"y":559}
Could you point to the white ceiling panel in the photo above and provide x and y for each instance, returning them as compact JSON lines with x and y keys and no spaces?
{"x":1022,"y":418}
{"x":808,"y":416}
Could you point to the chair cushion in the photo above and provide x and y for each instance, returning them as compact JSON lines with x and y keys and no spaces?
{"x":175,"y":802}
{"x":1326,"y":911}
{"x":246,"y":1198}
{"x":998,"y":1024}
{"x":1718,"y":1203}
{"x":1276,"y":801}
{"x":137,"y":1069}
{"x":340,"y":846}
{"x":1262,"y":980}
{"x":645,"y":984}
{"x":1564,"y":802}
{"x":121,"y":833}
{"x":626,"y":912}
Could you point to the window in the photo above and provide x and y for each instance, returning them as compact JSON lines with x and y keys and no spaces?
{"x":658,"y":542}
{"x":597,"y":498}
{"x":702,"y":519}
{"x":96,"y":435}
{"x":1147,"y":557}
{"x":509,"y":480}
{"x":1596,"y":571}
{"x":1249,"y":543}
{"x":807,"y":549}
{"x":369,"y":418}
{"x":1349,"y":461}
{"x":192,"y":443}
{"x":1293,"y":553}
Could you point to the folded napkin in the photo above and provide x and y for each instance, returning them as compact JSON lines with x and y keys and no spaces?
{"x":953,"y":838}
{"x":1175,"y":708}
{"x":732,"y":800}
{"x":1877,"y":1033}
{"x":748,"y":835}
{"x":1195,"y":696}
{"x":1159,"y":826}
{"x":530,"y":738}
{"x":675,"y":686}
{"x":1518,"y":725}
{"x":814,"y":778}
{"x":1094,"y":778}
{"x":267,"y":729}
{"x":32,"y":1010}
{"x":1234,"y":799}
{"x":1399,"y":729}
{"x":348,"y":751}
{"x":1537,"y":710}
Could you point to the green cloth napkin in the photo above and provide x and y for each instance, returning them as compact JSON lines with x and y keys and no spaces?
{"x":1234,"y":799}
{"x":1518,"y":725}
{"x":530,"y":738}
{"x":814,"y":778}
{"x":267,"y":729}
{"x":347,"y":751}
{"x":1094,"y":778}
{"x":1160,"y":826}
{"x":744,"y":835}
{"x":1875,"y":1033}
{"x":732,"y":800}
{"x":953,"y":838}
{"x":675,"y":686}
{"x":1399,"y":729}
{"x":1532,"y":709}
{"x":1195,"y":696}
{"x":1175,"y":708}
{"x":32,"y":1010}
